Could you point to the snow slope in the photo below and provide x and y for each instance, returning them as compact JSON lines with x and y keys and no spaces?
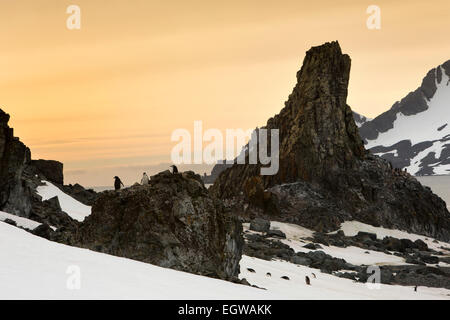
{"x":69,"y":205}
{"x":35,"y":268}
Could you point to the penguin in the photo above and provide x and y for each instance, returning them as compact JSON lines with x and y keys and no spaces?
{"x":308,"y":282}
{"x":268,"y":274}
{"x":145,"y":179}
{"x":117,"y":183}
{"x":174,"y":169}
{"x":251,"y":270}
{"x":285,"y":277}
{"x":415,"y":289}
{"x":313,"y":275}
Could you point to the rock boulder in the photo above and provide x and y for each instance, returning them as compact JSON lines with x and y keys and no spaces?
{"x":171,"y":222}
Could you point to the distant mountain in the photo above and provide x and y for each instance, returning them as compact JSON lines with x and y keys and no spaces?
{"x":415,"y":133}
{"x":360,"y":119}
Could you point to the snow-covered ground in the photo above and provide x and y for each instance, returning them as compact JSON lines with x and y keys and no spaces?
{"x":353,"y":255}
{"x":35,"y":268}
{"x":69,"y":205}
{"x":324,"y":286}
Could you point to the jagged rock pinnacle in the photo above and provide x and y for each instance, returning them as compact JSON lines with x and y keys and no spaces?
{"x":317,"y":130}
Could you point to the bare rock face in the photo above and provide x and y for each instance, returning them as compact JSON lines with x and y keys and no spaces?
{"x":20,"y":176}
{"x":77,"y":191}
{"x":325,"y":175}
{"x":216,"y":170}
{"x":14,"y":158}
{"x":51,"y":169}
{"x":172,"y":222}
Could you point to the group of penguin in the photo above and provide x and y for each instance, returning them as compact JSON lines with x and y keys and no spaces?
{"x":268,"y":274}
{"x":145,"y":179}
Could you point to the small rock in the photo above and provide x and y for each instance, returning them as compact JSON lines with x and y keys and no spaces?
{"x":276,"y":233}
{"x":260,"y":225}
{"x":366,"y":235}
{"x":43,"y":231}
{"x":421,"y":245}
{"x":301,"y":260}
{"x":11,"y":222}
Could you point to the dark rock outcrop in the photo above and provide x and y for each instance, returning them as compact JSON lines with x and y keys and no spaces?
{"x":20,"y":176}
{"x":15,"y":193}
{"x":325,"y":175}
{"x":49,"y":212}
{"x":216,"y":170}
{"x":77,"y":191}
{"x":51,"y":169}
{"x":260,"y":225}
{"x":44,"y":231}
{"x":172,"y":222}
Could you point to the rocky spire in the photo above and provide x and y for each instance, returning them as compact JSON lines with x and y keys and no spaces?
{"x":317,"y":130}
{"x":318,"y":135}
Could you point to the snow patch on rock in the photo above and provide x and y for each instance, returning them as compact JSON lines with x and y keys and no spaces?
{"x":69,"y":205}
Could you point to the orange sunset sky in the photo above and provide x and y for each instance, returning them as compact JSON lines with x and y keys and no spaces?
{"x":105,"y":99}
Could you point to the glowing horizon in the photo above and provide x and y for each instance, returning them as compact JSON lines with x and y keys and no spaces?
{"x":104,"y":99}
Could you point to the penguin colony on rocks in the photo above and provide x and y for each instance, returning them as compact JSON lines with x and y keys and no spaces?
{"x":144,"y":181}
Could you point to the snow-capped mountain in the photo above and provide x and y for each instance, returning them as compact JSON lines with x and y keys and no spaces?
{"x":415,"y":133}
{"x":360,"y":119}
